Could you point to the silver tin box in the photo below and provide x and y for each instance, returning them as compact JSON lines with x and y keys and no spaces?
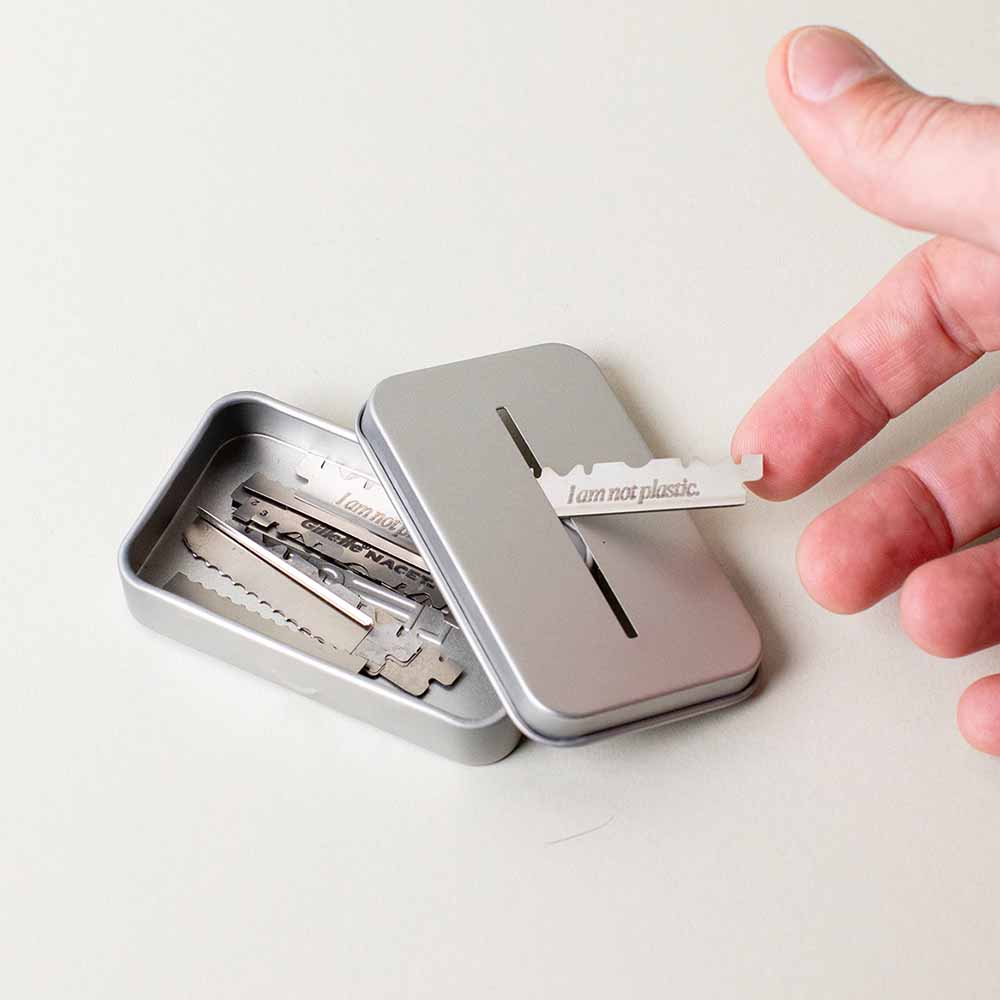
{"x":646,"y":630}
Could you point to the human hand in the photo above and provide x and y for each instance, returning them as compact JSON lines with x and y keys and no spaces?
{"x":934,"y":165}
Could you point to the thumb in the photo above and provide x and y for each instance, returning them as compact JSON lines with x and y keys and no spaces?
{"x":925,"y":162}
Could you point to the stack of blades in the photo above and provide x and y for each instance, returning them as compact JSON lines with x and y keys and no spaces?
{"x":270,"y":587}
{"x":319,"y":614}
{"x":272,"y":508}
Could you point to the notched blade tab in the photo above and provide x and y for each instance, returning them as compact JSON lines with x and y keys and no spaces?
{"x":660,"y":484}
{"x":414,"y":676}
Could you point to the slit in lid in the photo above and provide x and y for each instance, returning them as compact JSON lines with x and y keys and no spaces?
{"x":601,"y":581}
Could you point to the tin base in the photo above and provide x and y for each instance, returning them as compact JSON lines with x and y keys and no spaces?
{"x":246,"y":433}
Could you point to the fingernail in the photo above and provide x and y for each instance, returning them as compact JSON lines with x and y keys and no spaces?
{"x":823,"y":63}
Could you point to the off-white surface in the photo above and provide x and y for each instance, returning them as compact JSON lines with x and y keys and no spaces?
{"x":303,"y":199}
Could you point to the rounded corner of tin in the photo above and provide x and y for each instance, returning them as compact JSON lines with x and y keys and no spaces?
{"x":569,"y":352}
{"x":235,"y":398}
{"x":362,"y":422}
{"x":369,"y":409}
{"x":123,"y":561}
{"x":493,"y":740}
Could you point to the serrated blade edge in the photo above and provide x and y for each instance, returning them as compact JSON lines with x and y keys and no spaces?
{"x":313,"y":645}
{"x":280,"y":593}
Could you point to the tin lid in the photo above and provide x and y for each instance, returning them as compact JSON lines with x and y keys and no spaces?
{"x":584,"y":628}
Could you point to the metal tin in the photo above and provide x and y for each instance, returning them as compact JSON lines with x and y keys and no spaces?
{"x":245,"y":433}
{"x":582,"y":629}
{"x":654,"y":634}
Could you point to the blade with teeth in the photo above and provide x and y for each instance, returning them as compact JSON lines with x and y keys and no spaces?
{"x":346,"y":521}
{"x":273,"y":588}
{"x":406,"y":656}
{"x":263,"y":554}
{"x":270,"y":507}
{"x":403,"y":628}
{"x":661,"y":484}
{"x":288,"y":634}
{"x":354,"y":494}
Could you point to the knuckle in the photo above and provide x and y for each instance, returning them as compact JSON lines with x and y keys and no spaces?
{"x":943,"y":312}
{"x":940,"y":533}
{"x":846,"y":379}
{"x":892,"y":123}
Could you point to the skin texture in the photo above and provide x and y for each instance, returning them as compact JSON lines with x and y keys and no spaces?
{"x":930,"y":164}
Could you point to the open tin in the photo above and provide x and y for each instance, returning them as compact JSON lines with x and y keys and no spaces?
{"x":617,"y":623}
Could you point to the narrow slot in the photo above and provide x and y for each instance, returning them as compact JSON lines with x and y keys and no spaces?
{"x":609,"y":595}
{"x":518,"y":438}
{"x":591,"y":563}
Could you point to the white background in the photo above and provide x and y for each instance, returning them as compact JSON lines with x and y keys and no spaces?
{"x":302,"y":199}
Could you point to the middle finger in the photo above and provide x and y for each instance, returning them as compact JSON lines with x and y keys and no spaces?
{"x":942,"y":496}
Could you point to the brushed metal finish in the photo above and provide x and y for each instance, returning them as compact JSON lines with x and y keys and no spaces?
{"x":248,"y":562}
{"x":416,"y":674}
{"x":662,"y":484}
{"x":311,"y":644}
{"x":358,"y":495}
{"x":559,"y":656}
{"x":241,"y":434}
{"x":328,"y":514}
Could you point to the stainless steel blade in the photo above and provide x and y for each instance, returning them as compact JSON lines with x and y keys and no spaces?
{"x":273,"y":588}
{"x":432,"y":632}
{"x":351,"y":586}
{"x":329,"y":474}
{"x":305,"y":642}
{"x":350,"y":523}
{"x":259,"y":503}
{"x":356,"y":493}
{"x":386,"y":638}
{"x":456,"y":650}
{"x":405,"y":634}
{"x":415,"y":676}
{"x":661,"y":484}
{"x":262,"y":553}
